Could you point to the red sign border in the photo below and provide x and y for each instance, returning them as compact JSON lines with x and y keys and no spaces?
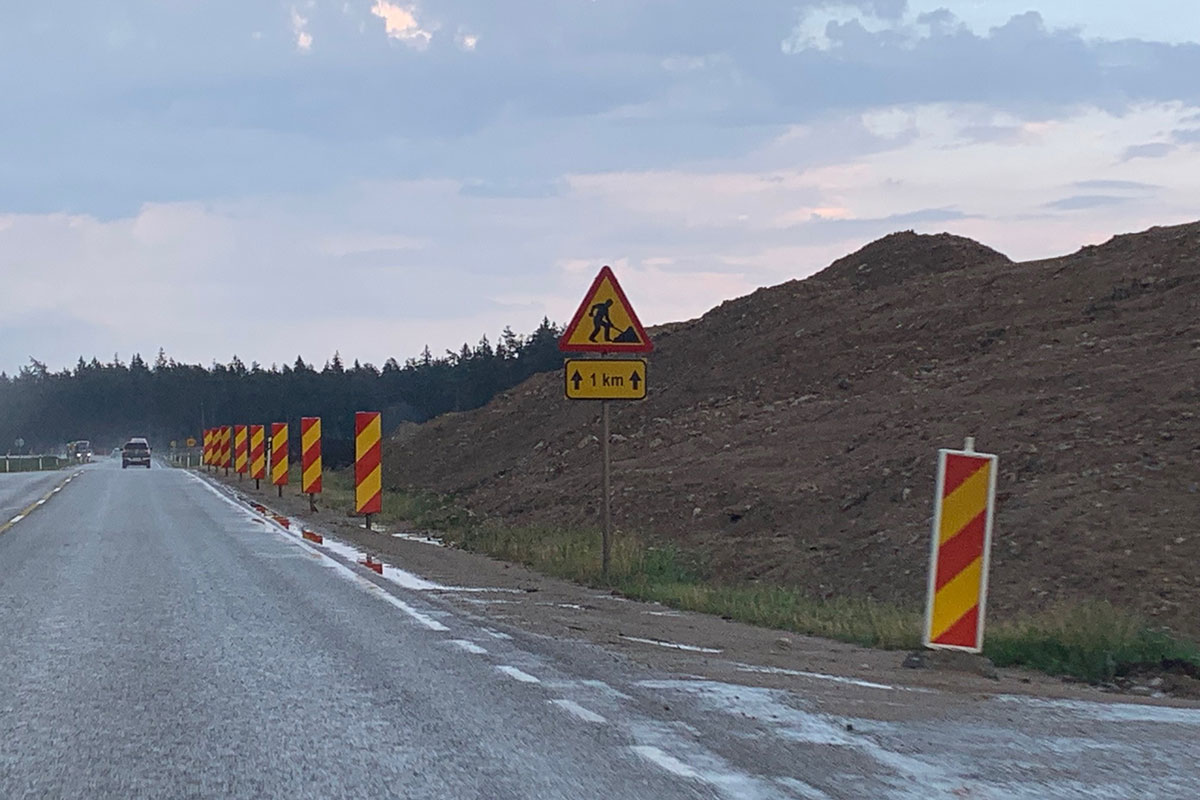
{"x":607,"y":347}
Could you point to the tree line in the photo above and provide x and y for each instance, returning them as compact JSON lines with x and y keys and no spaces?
{"x":165,"y":401}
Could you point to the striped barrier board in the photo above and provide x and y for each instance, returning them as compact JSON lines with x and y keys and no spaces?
{"x":964,"y":506}
{"x":205,"y":438}
{"x":279,"y":455}
{"x":241,"y":452}
{"x":310,"y":455}
{"x":368,"y":469}
{"x":258,"y":453}
{"x":226,"y":448}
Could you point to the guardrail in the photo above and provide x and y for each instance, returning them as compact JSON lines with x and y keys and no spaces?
{"x":31,"y":463}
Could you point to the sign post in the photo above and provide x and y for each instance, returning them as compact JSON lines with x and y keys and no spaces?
{"x":368,"y":464}
{"x":614,"y":328}
{"x":279,"y":455}
{"x":241,"y":453}
{"x":964,"y":507}
{"x":258,"y":454}
{"x":310,"y":459}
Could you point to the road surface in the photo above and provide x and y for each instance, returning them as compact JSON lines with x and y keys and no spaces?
{"x":159,"y":640}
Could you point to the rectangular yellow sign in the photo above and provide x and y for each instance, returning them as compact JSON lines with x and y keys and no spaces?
{"x":605,"y":378}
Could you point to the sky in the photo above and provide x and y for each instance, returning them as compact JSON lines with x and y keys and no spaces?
{"x":267,"y":179}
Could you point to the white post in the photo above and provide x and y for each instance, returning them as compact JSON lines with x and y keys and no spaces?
{"x":969,"y":447}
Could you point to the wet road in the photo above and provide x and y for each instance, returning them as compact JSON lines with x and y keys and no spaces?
{"x":159,"y":640}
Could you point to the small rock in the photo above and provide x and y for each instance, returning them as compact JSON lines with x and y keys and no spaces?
{"x":783,"y":643}
{"x":696,"y":512}
{"x":951,"y":660}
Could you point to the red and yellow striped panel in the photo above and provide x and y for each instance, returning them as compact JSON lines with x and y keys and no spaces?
{"x":204,"y":447}
{"x":279,"y":454}
{"x":310,"y":455}
{"x":962,"y":528}
{"x":258,"y":453}
{"x":226,"y":449}
{"x":368,"y":470}
{"x":241,"y":451}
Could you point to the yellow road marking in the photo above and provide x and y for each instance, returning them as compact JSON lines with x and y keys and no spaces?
{"x":41,"y":501}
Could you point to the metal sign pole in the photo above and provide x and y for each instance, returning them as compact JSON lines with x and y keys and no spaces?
{"x":606,"y":543}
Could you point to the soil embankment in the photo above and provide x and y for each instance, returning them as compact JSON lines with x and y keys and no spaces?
{"x":790,"y":435}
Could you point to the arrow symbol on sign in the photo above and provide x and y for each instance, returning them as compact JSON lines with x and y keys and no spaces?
{"x":577,"y":379}
{"x":635,"y":379}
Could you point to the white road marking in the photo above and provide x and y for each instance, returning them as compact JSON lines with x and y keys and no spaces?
{"x":824,"y":677}
{"x":496,"y":634}
{"x":16,"y":519}
{"x":579,"y":711}
{"x":333,"y":563}
{"x":674,"y":646}
{"x":516,"y":674}
{"x":470,"y":647}
{"x":668,"y":762}
{"x":41,"y":502}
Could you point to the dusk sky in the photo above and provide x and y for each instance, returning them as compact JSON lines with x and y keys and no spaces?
{"x":273,"y":179}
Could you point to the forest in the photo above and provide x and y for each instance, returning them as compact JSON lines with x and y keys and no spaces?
{"x":166,"y":401}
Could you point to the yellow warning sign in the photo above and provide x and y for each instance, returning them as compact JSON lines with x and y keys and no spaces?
{"x":605,"y":378}
{"x":191,"y":441}
{"x":605,"y":322}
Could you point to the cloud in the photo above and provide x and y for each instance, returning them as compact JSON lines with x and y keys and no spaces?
{"x":401,"y":24}
{"x":304,"y":39}
{"x":1085,"y":201}
{"x":1116,"y":186}
{"x":1000,"y":134}
{"x":1150,"y":150}
{"x":467,"y":41}
{"x":1186,"y":136}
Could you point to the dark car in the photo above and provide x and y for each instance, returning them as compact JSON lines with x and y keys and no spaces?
{"x":137,"y":452}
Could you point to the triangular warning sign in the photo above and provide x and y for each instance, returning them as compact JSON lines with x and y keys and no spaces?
{"x":605,"y":322}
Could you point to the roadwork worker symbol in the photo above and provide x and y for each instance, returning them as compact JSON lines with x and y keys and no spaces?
{"x":601,"y":321}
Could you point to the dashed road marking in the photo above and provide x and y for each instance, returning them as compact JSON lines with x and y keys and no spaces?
{"x":29,"y":509}
{"x":584,"y":714}
{"x":330,"y":561}
{"x":665,"y":760}
{"x":470,"y":647}
{"x":673,"y":645}
{"x":518,"y":675}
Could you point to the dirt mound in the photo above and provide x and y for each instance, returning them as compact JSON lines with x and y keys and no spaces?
{"x":899,"y":257}
{"x":791,"y":434}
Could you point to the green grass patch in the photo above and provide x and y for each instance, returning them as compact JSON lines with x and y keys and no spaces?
{"x":31,"y":463}
{"x":1094,"y":641}
{"x":1091,"y":641}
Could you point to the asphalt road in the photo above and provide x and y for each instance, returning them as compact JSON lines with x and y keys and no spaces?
{"x":158,"y":640}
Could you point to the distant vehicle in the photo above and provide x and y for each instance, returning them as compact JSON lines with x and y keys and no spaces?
{"x":80,"y":451}
{"x":137,"y":452}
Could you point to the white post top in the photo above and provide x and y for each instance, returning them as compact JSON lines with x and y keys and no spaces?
{"x":969,"y":447}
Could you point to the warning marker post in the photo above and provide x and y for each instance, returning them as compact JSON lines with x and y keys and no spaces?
{"x":964,"y":506}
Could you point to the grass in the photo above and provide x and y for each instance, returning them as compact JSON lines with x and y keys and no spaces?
{"x":31,"y":463}
{"x":1092,"y":641}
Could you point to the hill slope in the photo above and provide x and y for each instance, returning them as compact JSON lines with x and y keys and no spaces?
{"x":791,"y":434}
